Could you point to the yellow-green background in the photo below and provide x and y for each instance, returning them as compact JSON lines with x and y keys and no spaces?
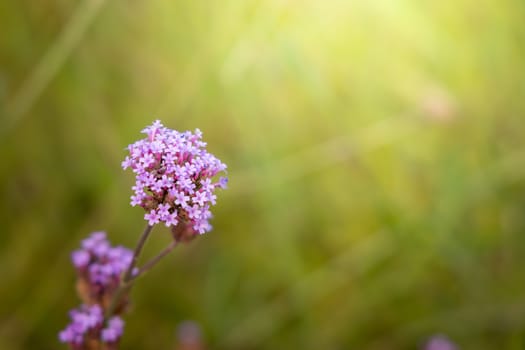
{"x":376,"y":154}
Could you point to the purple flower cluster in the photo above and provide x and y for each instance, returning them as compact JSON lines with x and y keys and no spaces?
{"x":87,"y":327}
{"x":175,"y":185}
{"x":100,"y":266}
{"x":174,"y":177}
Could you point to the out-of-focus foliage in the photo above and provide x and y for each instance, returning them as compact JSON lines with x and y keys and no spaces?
{"x":376,"y":154}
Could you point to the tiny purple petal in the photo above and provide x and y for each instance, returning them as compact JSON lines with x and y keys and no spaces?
{"x":66,"y":336}
{"x":80,"y":258}
{"x":152,"y":217}
{"x":223,"y":182}
{"x":113,"y":331}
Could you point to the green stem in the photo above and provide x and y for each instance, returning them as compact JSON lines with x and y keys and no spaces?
{"x":126,"y":284}
{"x":136,"y":253}
{"x":150,"y":264}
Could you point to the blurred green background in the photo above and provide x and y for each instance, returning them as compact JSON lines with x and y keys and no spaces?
{"x":376,"y":154}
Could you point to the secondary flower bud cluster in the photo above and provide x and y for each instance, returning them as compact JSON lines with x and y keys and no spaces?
{"x":99,"y":268}
{"x":87,"y":331}
{"x":174,"y":177}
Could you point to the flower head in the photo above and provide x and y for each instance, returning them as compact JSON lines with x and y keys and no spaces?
{"x":174,"y":177}
{"x":99,"y":266}
{"x":86,"y":326}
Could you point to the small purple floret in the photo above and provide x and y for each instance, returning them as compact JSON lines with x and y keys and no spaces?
{"x":87,"y":322}
{"x":113,"y":331}
{"x":83,"y":320}
{"x":80,"y":258}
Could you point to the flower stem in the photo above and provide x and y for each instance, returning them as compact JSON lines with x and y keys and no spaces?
{"x":126,"y":284}
{"x":150,"y":264}
{"x":136,"y":253}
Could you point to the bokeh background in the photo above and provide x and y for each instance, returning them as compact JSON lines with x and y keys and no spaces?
{"x":376,"y":154}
